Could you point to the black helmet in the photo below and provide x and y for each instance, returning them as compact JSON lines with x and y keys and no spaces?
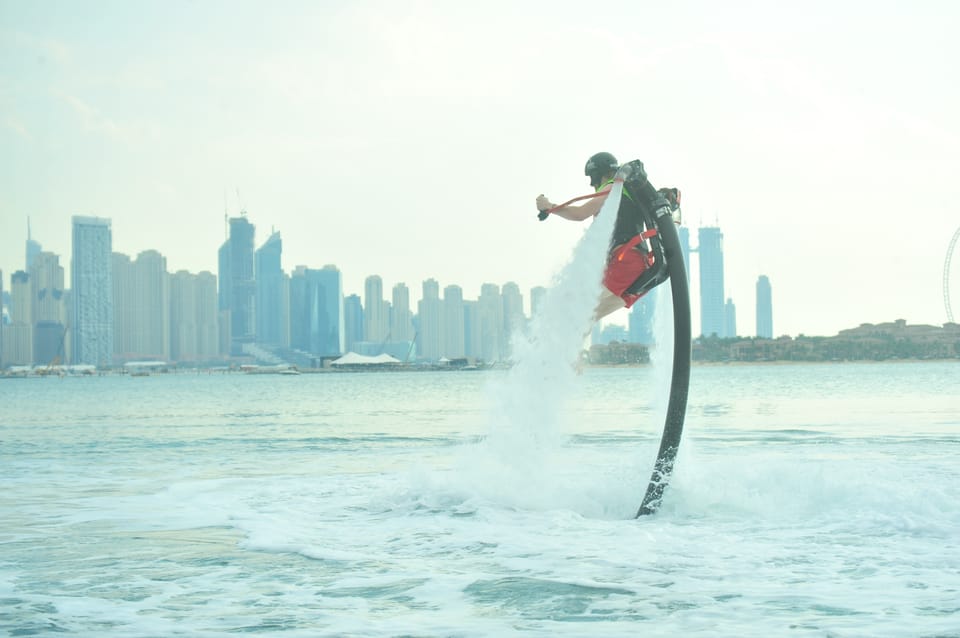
{"x":598,"y":166}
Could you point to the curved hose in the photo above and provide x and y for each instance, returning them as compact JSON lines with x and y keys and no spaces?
{"x":680,"y":381}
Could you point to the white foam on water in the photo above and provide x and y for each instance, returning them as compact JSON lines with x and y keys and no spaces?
{"x":764,"y":533}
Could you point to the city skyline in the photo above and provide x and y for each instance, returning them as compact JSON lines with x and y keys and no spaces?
{"x":254,"y":274}
{"x":142,"y":311}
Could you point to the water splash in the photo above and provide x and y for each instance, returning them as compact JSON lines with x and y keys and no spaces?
{"x":522,"y":460}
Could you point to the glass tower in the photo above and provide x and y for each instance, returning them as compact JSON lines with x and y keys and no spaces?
{"x":683,"y":233}
{"x":429,"y":339}
{"x":376,"y":320}
{"x":729,"y":319}
{"x":490,"y":306}
{"x":33,"y":249}
{"x":49,"y":310}
{"x":764,"y":308}
{"x":237,"y":284}
{"x":271,"y":313}
{"x":401,"y":320}
{"x":452,"y":318}
{"x":317,"y":311}
{"x":352,"y":322}
{"x":712,"y":318}
{"x":91,"y":282}
{"x":640,"y":323}
{"x":513,"y":318}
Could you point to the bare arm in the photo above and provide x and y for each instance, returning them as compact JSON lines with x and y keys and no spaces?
{"x":575,"y":213}
{"x":583,"y":211}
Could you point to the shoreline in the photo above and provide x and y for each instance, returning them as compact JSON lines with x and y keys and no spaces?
{"x":428,"y":368}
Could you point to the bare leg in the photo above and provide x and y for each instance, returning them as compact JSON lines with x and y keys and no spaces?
{"x":608,"y":303}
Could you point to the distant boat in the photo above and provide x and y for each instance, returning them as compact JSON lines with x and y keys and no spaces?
{"x":277,"y":369}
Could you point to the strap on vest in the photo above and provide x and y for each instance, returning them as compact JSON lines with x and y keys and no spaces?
{"x":634,"y":241}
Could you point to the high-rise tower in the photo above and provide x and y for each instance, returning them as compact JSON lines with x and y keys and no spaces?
{"x":238,"y":289}
{"x":376,"y":323}
{"x":401,"y":319}
{"x":490,"y":310}
{"x":431,"y":331}
{"x":18,"y":335}
{"x":141,"y":307}
{"x":352,"y":322}
{"x":49,"y":309}
{"x":711,"y":282}
{"x":33,"y":249}
{"x":640,"y":323}
{"x":452,"y":319}
{"x":764,"y":308}
{"x":91,"y":283}
{"x":513,"y":318}
{"x":272,"y":301}
{"x":317,"y":311}
{"x":729,"y":319}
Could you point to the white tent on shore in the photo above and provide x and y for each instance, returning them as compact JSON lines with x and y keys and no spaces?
{"x":354,"y":359}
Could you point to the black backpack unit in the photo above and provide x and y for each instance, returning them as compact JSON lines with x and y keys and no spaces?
{"x":655,"y":208}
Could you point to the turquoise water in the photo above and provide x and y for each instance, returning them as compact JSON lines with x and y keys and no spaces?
{"x":809,"y":500}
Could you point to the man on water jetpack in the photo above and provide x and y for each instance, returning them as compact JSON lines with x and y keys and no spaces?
{"x":632,"y":265}
{"x":644,"y":252}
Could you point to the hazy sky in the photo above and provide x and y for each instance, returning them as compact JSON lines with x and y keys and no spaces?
{"x":410,"y":139}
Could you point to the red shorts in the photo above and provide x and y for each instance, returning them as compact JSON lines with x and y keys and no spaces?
{"x":623,"y":268}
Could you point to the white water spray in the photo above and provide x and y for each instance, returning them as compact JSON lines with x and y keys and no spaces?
{"x":526,"y":421}
{"x":661,"y":353}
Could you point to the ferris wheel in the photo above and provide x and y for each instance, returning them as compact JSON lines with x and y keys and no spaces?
{"x":946,"y":275}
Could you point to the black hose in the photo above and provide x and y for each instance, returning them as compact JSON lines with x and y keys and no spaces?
{"x":680,"y":381}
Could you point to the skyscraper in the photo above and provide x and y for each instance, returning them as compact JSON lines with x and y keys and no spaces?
{"x":537,"y":294}
{"x":640,"y":322}
{"x":401,"y":319}
{"x":208,"y":316}
{"x":711,"y":282}
{"x":49,"y":309}
{"x":91,"y":279}
{"x":329,"y":311}
{"x":452,"y":319}
{"x":471,"y":329}
{"x":352,"y":322}
{"x":193,"y":316}
{"x":18,"y":335}
{"x":683,"y":234}
{"x":317,"y":311}
{"x":238,"y":289}
{"x":376,"y":322}
{"x":183,"y":316}
{"x":764,"y":308}
{"x":430,"y":337}
{"x":729,"y":319}
{"x":141,"y":307}
{"x":513,"y":317}
{"x":491,"y":323}
{"x":33,"y":249}
{"x":272,"y":291}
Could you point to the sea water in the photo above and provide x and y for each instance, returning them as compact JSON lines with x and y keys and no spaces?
{"x":808,"y":500}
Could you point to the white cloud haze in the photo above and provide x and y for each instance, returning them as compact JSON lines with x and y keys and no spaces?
{"x":410,"y":139}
